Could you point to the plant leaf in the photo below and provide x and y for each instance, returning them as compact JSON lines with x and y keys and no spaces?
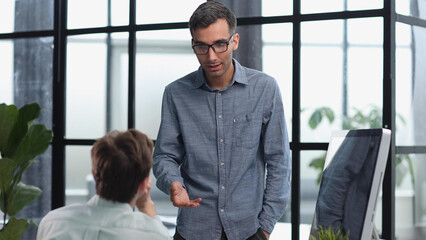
{"x":27,"y":114}
{"x":34,"y":143}
{"x":318,"y":163}
{"x":18,"y":175}
{"x":7,"y":169}
{"x":410,"y":168}
{"x":14,"y":229}
{"x":8,"y":116}
{"x":315,"y":119}
{"x":328,"y":112}
{"x":331,"y":234}
{"x":20,"y":196}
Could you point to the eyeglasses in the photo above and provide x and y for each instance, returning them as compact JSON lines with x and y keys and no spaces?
{"x":219,"y":47}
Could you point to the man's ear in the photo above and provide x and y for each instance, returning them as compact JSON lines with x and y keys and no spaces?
{"x":144,"y":184}
{"x":235,"y":41}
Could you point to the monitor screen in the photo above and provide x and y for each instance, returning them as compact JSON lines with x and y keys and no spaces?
{"x":350,"y":184}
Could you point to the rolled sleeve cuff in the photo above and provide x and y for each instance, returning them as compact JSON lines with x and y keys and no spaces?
{"x":170,"y":181}
{"x":266,"y":223}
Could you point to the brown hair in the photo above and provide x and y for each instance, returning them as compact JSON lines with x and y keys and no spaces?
{"x":208,"y":13}
{"x":120,"y":162}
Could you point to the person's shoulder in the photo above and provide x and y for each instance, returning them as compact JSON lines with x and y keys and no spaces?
{"x":66,"y":211}
{"x":75,"y":214}
{"x":184,"y":82}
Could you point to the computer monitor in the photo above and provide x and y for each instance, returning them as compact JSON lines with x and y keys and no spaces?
{"x":350,"y":184}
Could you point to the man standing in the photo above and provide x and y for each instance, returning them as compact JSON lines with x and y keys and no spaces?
{"x":222,"y":151}
{"x":121,"y":162}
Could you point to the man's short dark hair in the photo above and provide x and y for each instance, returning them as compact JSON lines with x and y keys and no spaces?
{"x":121,"y":161}
{"x":208,"y":13}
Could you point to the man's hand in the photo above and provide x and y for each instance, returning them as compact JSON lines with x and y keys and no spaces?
{"x":267,"y":235}
{"x":179,"y":196}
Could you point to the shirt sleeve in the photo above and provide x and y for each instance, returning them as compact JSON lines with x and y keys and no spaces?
{"x":277,"y":158}
{"x":169,"y":149}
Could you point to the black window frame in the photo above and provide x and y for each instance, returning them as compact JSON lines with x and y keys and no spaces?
{"x":388,"y":13}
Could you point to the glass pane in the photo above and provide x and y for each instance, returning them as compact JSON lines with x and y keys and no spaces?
{"x":311,"y":167}
{"x":148,"y":11}
{"x":365,"y":31}
{"x":117,"y":87}
{"x":364,"y":4}
{"x":419,"y":96}
{"x":403,"y":6}
{"x":410,"y":198}
{"x":420,"y":190}
{"x":277,"y":41}
{"x":365,"y":81}
{"x":415,"y":8}
{"x":78,"y":177}
{"x":20,"y":16}
{"x":7,"y":13}
{"x":340,"y":80}
{"x":119,"y":12}
{"x":404,"y":85}
{"x":156,"y":51}
{"x":86,"y":14}
{"x":330,"y":32}
{"x":277,"y":7}
{"x":86,"y":86}
{"x":364,"y":74}
{"x":6,"y":71}
{"x":314,"y":6}
{"x":321,"y":76}
{"x":97,"y":87}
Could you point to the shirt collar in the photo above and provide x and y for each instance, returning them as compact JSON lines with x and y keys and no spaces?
{"x":239,"y":76}
{"x":101,"y":202}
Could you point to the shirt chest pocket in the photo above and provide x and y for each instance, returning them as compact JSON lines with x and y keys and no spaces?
{"x":246,"y":131}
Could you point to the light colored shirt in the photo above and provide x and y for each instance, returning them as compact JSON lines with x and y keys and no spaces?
{"x":217,"y":143}
{"x":100,"y":219}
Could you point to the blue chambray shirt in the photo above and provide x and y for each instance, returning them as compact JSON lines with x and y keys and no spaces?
{"x":217,"y":143}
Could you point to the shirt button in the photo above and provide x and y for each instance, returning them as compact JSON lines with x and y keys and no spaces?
{"x":222,"y":210}
{"x":222,"y":163}
{"x":220,"y":116}
{"x":219,"y":93}
{"x":221,"y":140}
{"x":223,"y":187}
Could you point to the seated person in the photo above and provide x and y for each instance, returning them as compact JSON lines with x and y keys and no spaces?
{"x":121,"y":162}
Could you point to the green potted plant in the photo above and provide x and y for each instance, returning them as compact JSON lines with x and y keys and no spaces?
{"x":361,"y":118}
{"x":20,"y":142}
{"x":330,"y":234}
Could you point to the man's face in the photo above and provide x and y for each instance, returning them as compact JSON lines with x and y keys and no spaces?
{"x":216,"y":66}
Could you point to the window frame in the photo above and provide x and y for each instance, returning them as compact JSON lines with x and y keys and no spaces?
{"x":388,"y":13}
